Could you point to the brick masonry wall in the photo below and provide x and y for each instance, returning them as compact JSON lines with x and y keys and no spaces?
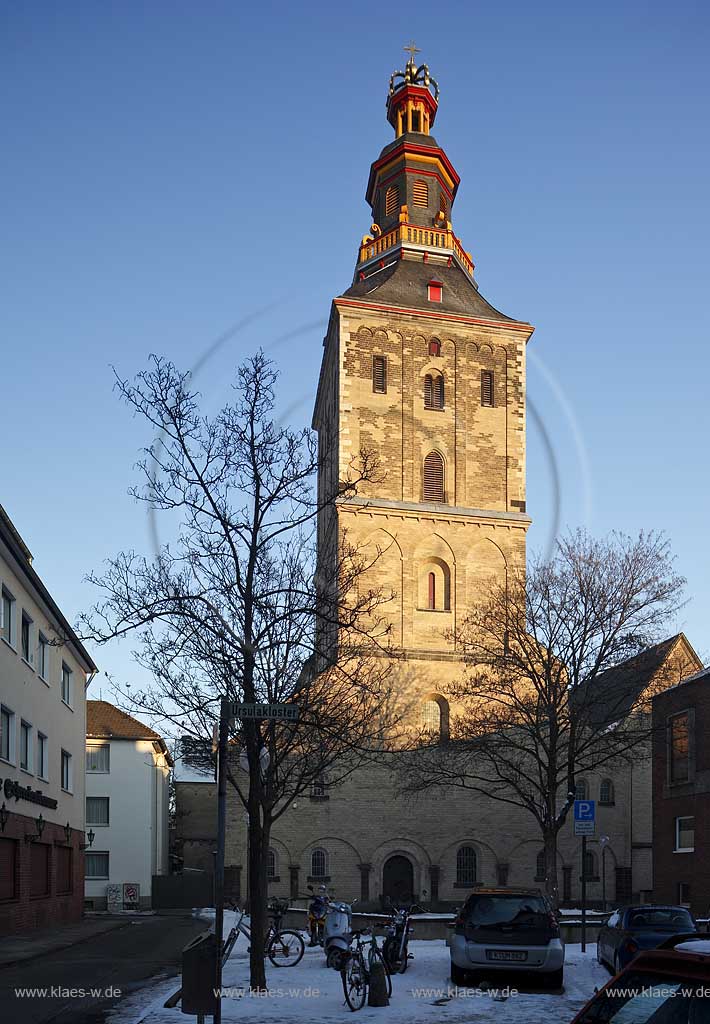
{"x":25,"y":912}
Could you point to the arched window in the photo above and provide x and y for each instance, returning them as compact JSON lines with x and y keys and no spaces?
{"x":434,"y":585}
{"x":271,"y":871}
{"x":590,"y":864}
{"x":420,"y":193}
{"x":581,"y":791}
{"x":319,"y":863}
{"x":391,"y":201}
{"x":432,"y":591}
{"x":433,"y":391}
{"x":430,"y":719}
{"x":540,"y":867}
{"x":433,"y":477}
{"x":434,"y":347}
{"x":606,"y":792}
{"x":466,"y":866}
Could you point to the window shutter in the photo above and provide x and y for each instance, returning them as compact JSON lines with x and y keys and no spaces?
{"x":420,"y":193}
{"x":379,"y":374}
{"x":439,"y":392}
{"x":486,"y":387}
{"x":433,"y":488}
{"x":391,"y":200}
{"x":435,"y":291}
{"x":428,"y":392}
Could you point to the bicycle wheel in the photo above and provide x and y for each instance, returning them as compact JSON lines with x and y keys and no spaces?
{"x":378,"y":958}
{"x":354,"y":981}
{"x":285,"y":949}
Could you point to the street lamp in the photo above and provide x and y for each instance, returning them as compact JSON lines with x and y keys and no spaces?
{"x":67,"y":832}
{"x":4,"y":816}
{"x":39,"y":824}
{"x":90,"y":835}
{"x":604,"y":842}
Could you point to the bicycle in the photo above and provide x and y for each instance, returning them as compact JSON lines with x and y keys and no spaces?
{"x":283,"y":946}
{"x":356,"y":972}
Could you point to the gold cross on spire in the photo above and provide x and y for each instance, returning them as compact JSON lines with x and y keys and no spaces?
{"x":411,"y":50}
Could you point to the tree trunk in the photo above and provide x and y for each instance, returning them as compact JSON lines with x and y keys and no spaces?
{"x":257,"y":900}
{"x":551,"y":884}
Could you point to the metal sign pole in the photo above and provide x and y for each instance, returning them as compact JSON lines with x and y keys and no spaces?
{"x":224,"y":716}
{"x":584,"y":894}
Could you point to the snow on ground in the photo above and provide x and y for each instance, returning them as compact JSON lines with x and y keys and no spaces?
{"x":311,"y":992}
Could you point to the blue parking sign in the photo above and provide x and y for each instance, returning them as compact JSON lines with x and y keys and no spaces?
{"x":584,"y":810}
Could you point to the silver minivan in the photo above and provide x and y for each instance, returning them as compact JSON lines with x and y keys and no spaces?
{"x":507,"y":930}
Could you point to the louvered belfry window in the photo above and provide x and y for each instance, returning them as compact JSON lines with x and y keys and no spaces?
{"x":433,"y":488}
{"x":486,"y":387}
{"x":379,"y":374}
{"x":420,"y":193}
{"x":433,"y":392}
{"x":391,"y":200}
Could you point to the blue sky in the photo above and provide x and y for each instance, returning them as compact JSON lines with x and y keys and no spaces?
{"x":173,"y":169}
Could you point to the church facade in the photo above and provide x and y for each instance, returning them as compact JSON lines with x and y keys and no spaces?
{"x":420,"y":368}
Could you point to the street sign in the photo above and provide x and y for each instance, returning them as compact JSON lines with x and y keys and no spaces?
{"x":584,"y":817}
{"x":283,"y":712}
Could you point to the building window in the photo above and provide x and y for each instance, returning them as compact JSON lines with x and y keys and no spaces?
{"x":7,"y":735}
{"x":318,"y":788}
{"x":435,"y":291}
{"x":590,"y":865}
{"x":64,"y":869}
{"x":66,"y":684}
{"x":96,"y":865}
{"x":26,"y":638}
{"x":433,"y":391}
{"x":432,"y":591}
{"x":25,"y":746}
{"x":379,"y":374}
{"x":271,"y":873}
{"x":430,"y":718}
{"x":391,"y":201}
{"x":39,"y":869}
{"x":433,"y":484}
{"x":683,"y":894}
{"x":487,"y":387}
{"x":606,"y":792}
{"x":8,"y":868}
{"x":581,"y":790}
{"x":466,"y":866}
{"x":7,"y":617}
{"x":679,"y":742}
{"x":540,"y":867}
{"x":97,"y":759}
{"x":685,"y":835}
{"x":66,"y":775}
{"x":420,"y":193}
{"x":442,"y":203}
{"x":42,"y":759}
{"x":319,"y":863}
{"x":434,"y":347}
{"x":43,"y":657}
{"x":97,"y":810}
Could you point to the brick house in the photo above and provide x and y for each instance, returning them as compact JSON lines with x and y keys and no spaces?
{"x":681,"y":794}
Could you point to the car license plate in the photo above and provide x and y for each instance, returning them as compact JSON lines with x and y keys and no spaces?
{"x":506,"y":954}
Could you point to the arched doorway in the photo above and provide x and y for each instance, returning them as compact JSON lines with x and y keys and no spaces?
{"x":398,"y":879}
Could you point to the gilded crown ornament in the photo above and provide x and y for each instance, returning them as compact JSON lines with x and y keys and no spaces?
{"x":413,"y":74}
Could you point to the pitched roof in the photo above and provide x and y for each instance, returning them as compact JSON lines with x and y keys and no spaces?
{"x":617,"y":691}
{"x":105,"y":721}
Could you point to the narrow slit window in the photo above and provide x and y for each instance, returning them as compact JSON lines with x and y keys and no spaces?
{"x":433,"y":488}
{"x":487,"y":387}
{"x":432,"y":591}
{"x":420,"y":193}
{"x":379,"y":374}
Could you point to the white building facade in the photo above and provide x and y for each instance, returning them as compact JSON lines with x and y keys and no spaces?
{"x":44,"y":672}
{"x":127,"y":804}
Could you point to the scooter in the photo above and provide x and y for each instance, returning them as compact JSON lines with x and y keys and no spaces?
{"x":338,"y":933}
{"x":317,"y":911}
{"x":395,"y":949}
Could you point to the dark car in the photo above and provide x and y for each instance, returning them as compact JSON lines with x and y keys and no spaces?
{"x":659,"y":987}
{"x":506,"y":930}
{"x":632,"y":929}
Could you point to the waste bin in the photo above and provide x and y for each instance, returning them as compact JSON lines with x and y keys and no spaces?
{"x":199,"y":965}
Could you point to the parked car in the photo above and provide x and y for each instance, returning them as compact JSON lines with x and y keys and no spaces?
{"x":507,"y":930}
{"x":632,"y":929}
{"x":661,"y":986}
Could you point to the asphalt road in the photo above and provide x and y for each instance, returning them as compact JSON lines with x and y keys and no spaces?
{"x":118,"y":961}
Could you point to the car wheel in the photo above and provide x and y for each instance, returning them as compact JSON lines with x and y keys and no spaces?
{"x":458,"y":975}
{"x":555,"y":979}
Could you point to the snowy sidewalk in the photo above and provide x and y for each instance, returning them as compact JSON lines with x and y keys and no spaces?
{"x":311,"y":992}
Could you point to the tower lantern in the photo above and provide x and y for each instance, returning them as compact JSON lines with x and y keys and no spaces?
{"x":411,"y":104}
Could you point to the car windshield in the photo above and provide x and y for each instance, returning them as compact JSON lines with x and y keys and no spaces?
{"x":514,"y":910}
{"x":666,"y":919}
{"x":643,"y":998}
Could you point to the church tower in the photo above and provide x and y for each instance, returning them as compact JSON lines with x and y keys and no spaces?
{"x":420,"y":368}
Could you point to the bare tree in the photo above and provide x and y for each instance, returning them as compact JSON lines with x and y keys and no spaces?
{"x":236,"y":607}
{"x":559,"y":681}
